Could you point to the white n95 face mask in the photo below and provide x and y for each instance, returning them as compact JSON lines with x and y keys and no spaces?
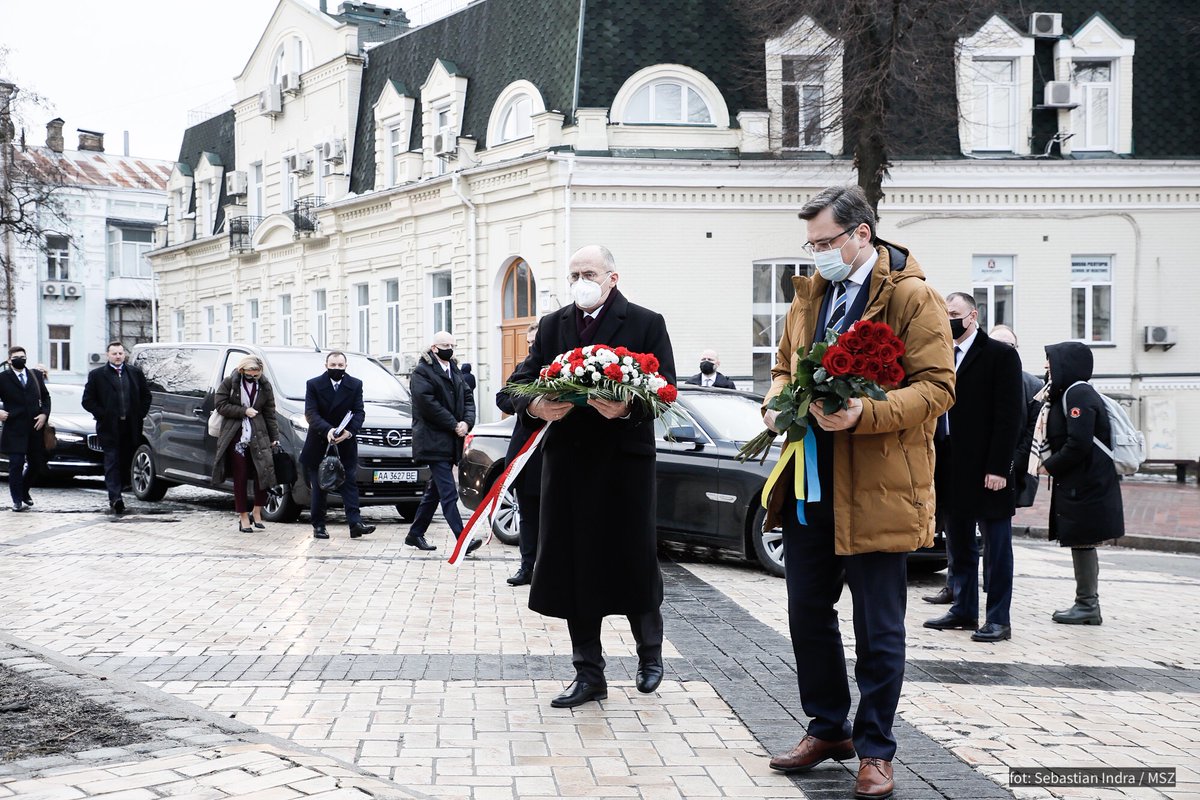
{"x":586,"y":293}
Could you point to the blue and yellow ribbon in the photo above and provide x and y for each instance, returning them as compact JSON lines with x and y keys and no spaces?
{"x":804,"y":453}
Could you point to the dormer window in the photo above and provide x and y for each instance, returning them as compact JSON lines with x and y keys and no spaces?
{"x":512,"y":114}
{"x":1098,"y":61}
{"x":291,"y":56}
{"x":1095,"y":118}
{"x":668,"y":102}
{"x":516,"y":121}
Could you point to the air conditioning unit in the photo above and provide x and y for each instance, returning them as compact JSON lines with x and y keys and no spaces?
{"x":72,"y":290}
{"x":51,"y":290}
{"x":304,"y":165}
{"x":1042,"y":24}
{"x":1060,"y":94}
{"x":289,"y":82}
{"x":270,"y":101}
{"x":1160,"y":336}
{"x":235,"y":183}
{"x":334,"y":151}
{"x":445,"y":144}
{"x":95,"y":358}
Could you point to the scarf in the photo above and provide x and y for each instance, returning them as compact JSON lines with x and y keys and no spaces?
{"x":1041,"y":448}
{"x":248,"y":396}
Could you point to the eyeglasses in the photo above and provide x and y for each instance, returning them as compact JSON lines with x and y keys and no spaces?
{"x":826,"y":244}
{"x":589,"y":275}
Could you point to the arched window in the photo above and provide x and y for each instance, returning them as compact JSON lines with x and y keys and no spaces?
{"x":290,"y":56}
{"x":519,"y":292}
{"x":516,"y":120}
{"x":512,"y":113}
{"x":668,"y":102}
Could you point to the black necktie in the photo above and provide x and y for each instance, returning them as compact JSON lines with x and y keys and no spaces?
{"x":838,"y":312}
{"x":337,"y":386}
{"x":22,"y":377}
{"x":957,"y":353}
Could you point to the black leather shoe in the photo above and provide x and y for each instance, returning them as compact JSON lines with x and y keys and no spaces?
{"x":419,"y":543}
{"x":522,"y":577}
{"x":359,"y":529}
{"x":319,"y":532}
{"x":474,"y":545}
{"x":18,"y":507}
{"x":259,"y":525}
{"x":117,"y":506}
{"x":942,"y":598}
{"x":247,"y":529}
{"x":649,"y":676}
{"x":951,"y":622}
{"x":28,"y":501}
{"x":992,"y":632}
{"x":579,"y":693}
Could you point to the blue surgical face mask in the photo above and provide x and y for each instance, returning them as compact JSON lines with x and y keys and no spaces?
{"x":830,"y":265}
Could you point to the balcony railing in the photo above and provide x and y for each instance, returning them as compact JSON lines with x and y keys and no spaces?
{"x":304,"y":215}
{"x":241,"y":233}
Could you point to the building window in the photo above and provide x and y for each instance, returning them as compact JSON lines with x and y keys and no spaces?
{"x":442,"y":138}
{"x":1095,"y":117}
{"x":395,"y":154}
{"x":803,"y":102}
{"x":668,"y":102}
{"x":992,"y":287}
{"x":994,"y":111}
{"x":60,"y":347}
{"x":285,"y":319}
{"x":127,"y":248}
{"x":772,"y":295}
{"x":391,"y":291}
{"x":321,"y":317}
{"x":516,"y":121}
{"x":519,"y":292}
{"x":290,"y":56}
{"x":442,"y":311}
{"x":58,"y":258}
{"x":130,"y":323}
{"x":210,"y":323}
{"x":179,"y":321}
{"x":1091,"y":298}
{"x":289,"y":183}
{"x":362,"y":317}
{"x":252,"y":318}
{"x":256,"y":189}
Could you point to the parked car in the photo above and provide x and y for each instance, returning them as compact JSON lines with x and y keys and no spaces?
{"x":76,"y":451}
{"x":705,"y":496}
{"x":176,"y":447}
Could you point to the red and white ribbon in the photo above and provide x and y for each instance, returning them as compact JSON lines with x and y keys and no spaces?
{"x":485,"y":512}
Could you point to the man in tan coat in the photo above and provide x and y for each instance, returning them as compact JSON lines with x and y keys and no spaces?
{"x":875,"y":467}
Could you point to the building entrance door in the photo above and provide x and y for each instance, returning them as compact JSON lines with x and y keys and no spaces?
{"x":519,"y":294}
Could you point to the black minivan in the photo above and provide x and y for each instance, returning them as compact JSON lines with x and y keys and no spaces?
{"x":176,"y":447}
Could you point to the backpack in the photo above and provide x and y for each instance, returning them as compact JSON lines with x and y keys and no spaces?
{"x":1128,"y":443}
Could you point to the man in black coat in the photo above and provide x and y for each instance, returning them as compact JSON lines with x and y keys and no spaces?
{"x":443,"y":414}
{"x":983,"y":426}
{"x":118,"y":398}
{"x":333,"y":408}
{"x":1026,"y":484}
{"x":528,"y":485}
{"x":709,"y":374}
{"x":597,"y":549}
{"x":26,"y":409}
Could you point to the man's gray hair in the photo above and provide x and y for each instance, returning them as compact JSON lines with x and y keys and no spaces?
{"x":610,"y":263}
{"x":848,"y":203}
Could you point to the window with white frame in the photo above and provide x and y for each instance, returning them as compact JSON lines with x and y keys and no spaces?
{"x":362,"y":317}
{"x":256,"y":189}
{"x":668,"y":102}
{"x":228,"y":315}
{"x":210,"y":323}
{"x":771,"y":297}
{"x":516,"y":120}
{"x":1095,"y":117}
{"x":803,"y":101}
{"x":285,"y":319}
{"x":179,"y":323}
{"x":321,"y":317}
{"x":289,"y":183}
{"x":391,"y":293}
{"x":58,"y":258}
{"x":207,"y":211}
{"x":253,"y":320}
{"x":1091,"y":298}
{"x":290,"y":56}
{"x":994,"y":104}
{"x":441,"y":302}
{"x":442,"y":135}
{"x":59,"y":339}
{"x":993,"y":289}
{"x":396,"y":147}
{"x":130,"y":323}
{"x":127,"y":248}
{"x":181,"y":211}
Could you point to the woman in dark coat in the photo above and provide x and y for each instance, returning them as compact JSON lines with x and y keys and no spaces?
{"x":249,"y":429}
{"x":1085,"y":498}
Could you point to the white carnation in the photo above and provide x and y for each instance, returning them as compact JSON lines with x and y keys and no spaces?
{"x":595,"y":376}
{"x":579,"y":372}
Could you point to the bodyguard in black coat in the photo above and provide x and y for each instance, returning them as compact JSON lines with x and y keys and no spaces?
{"x":597,"y":550}
{"x":118,"y":398}
{"x":709,"y":374}
{"x":984,"y":424}
{"x":26,"y":410}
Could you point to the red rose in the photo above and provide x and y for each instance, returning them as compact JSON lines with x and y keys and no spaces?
{"x":887,"y":352}
{"x":874,"y":368}
{"x":837,"y":361}
{"x":613,"y":372}
{"x":870,"y":346}
{"x":864,"y":328}
{"x":851,"y":340}
{"x":893,"y":375}
{"x":649,"y":362}
{"x":576,"y":354}
{"x":555,"y":369}
{"x":898,"y":343}
{"x":668,"y":394}
{"x":859,"y":364}
{"x":621,"y":352}
{"x":544,"y":373}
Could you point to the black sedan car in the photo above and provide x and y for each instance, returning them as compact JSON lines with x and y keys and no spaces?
{"x":705,"y":497}
{"x":75,"y":452}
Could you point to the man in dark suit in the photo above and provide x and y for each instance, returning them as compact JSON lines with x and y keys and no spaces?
{"x":981,"y":430}
{"x":528,"y":485}
{"x":117,"y":397}
{"x":333,"y":407}
{"x":708,"y":374}
{"x":26,"y":409}
{"x":597,"y":549}
{"x":443,"y":413}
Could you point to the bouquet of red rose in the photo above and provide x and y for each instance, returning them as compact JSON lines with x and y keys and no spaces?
{"x":603,"y":372}
{"x":861,"y":362}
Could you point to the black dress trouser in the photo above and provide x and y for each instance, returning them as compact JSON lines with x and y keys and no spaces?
{"x":587,"y":654}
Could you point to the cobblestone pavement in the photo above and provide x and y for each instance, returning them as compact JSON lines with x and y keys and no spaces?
{"x":273,"y":665}
{"x":1155,"y":507}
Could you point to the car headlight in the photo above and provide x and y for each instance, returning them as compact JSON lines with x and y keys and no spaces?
{"x":68,"y":438}
{"x":299,"y":423}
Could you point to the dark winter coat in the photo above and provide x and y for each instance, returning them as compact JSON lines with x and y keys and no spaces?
{"x":324,"y":410}
{"x":985,"y":422}
{"x":1085,"y":497}
{"x":597,"y":547}
{"x":720,"y":381}
{"x":439,"y":403}
{"x":23,"y":404}
{"x":264,"y":429}
{"x":102,"y":399}
{"x":1027,"y":484}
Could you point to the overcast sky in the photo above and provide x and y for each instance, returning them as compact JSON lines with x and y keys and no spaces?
{"x":136,"y":65}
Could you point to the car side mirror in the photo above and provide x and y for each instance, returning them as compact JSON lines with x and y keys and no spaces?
{"x":683,"y":433}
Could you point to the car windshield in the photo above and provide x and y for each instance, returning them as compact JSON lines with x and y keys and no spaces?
{"x":290,"y":371}
{"x":65,"y":399}
{"x":733,"y":417}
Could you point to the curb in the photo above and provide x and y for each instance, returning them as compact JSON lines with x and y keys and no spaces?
{"x":1132,"y":541}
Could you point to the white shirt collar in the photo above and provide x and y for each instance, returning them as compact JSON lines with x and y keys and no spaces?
{"x":964,"y":346}
{"x":860,"y":275}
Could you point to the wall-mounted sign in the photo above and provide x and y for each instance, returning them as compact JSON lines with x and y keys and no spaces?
{"x":992,"y":269}
{"x":1091,"y":268}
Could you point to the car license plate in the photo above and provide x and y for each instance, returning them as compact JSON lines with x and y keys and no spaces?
{"x":395,"y":476}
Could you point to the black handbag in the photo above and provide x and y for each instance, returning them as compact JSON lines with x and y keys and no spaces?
{"x":331,"y":474}
{"x":285,"y":467}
